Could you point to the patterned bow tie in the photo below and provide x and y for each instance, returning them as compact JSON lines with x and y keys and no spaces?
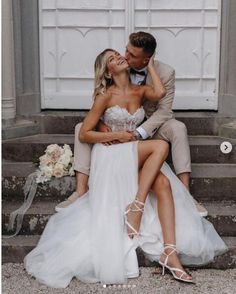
{"x":136,"y":72}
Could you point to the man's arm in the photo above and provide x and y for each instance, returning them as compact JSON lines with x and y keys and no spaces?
{"x":163,"y":113}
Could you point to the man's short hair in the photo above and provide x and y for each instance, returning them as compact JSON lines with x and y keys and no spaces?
{"x":143,"y":40}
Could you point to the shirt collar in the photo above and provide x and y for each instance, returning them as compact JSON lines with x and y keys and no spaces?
{"x":142,"y":69}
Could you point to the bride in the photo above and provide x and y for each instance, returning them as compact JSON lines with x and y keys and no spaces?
{"x":134,"y":199}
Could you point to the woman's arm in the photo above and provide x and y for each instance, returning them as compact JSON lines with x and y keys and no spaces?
{"x":87,"y":132}
{"x":157,"y":90}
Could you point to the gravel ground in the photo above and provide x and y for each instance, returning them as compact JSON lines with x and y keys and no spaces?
{"x":16,"y":280}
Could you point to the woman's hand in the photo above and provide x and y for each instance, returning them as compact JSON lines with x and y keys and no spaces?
{"x":151,"y":62}
{"x":157,"y":90}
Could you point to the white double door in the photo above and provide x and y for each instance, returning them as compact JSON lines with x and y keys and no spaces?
{"x":73,"y":32}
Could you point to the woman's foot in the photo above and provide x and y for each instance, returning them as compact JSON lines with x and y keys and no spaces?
{"x":133,"y":216}
{"x":170,"y":260}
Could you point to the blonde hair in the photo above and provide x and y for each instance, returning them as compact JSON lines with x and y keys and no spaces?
{"x":102,"y":80}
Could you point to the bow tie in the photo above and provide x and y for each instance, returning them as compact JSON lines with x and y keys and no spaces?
{"x":136,"y":72}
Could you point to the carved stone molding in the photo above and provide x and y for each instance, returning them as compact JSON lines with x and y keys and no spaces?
{"x":8,"y":73}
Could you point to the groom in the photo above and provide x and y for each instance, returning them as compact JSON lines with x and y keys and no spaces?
{"x":160,"y":122}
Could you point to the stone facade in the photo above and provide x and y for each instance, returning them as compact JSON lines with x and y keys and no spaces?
{"x":21,"y":70}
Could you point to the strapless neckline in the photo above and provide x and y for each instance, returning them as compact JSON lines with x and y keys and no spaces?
{"x":118,"y":118}
{"x":125,"y":109}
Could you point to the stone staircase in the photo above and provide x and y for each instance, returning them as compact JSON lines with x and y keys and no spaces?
{"x":213,"y":180}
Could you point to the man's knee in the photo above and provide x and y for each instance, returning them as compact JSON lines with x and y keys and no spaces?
{"x":178,"y":129}
{"x":78,"y":127}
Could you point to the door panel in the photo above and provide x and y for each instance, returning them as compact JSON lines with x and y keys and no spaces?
{"x":73,"y":32}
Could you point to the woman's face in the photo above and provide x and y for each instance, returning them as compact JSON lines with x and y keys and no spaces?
{"x":115,"y":62}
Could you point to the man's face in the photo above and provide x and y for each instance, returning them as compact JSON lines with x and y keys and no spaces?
{"x":135,"y":57}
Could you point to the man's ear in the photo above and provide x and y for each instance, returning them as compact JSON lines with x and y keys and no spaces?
{"x":146,"y":60}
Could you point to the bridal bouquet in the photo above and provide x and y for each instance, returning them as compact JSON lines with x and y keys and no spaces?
{"x":57,"y":161}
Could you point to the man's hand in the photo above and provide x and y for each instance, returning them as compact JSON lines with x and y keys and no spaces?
{"x":124,"y":137}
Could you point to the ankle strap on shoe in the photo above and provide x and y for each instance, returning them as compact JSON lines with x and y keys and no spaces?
{"x":139,"y":202}
{"x":169,"y":245}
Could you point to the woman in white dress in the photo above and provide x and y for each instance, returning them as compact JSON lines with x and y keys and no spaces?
{"x":95,"y":238}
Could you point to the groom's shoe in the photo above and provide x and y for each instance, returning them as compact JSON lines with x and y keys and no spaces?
{"x":201,"y":209}
{"x":62,"y":205}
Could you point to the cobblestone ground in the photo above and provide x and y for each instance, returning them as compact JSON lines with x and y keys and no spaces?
{"x":15,"y":280}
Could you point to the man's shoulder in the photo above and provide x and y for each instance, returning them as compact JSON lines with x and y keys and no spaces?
{"x":164,"y":69}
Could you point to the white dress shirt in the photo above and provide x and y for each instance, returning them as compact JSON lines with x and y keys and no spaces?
{"x":137,"y":80}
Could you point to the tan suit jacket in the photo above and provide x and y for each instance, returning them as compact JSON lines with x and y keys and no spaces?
{"x":159,"y":112}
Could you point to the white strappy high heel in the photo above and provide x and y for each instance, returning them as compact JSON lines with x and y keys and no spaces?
{"x":136,"y":203}
{"x":173,"y":270}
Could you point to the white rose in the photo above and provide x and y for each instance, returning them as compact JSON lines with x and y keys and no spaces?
{"x":68,"y":152}
{"x":58,"y":170}
{"x":52,"y":148}
{"x":47,"y":171}
{"x":54,"y":151}
{"x":64,"y":160}
{"x":66,"y":147}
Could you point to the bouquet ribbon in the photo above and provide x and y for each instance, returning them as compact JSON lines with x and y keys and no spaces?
{"x":29,"y":189}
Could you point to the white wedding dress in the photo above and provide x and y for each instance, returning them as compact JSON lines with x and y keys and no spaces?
{"x":88,"y":239}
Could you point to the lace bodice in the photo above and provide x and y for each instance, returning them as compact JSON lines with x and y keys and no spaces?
{"x":119,"y":119}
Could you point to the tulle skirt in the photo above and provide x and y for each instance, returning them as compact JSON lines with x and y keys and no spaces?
{"x":89,"y":240}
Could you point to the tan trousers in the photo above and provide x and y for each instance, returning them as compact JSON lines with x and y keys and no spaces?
{"x":172,"y":131}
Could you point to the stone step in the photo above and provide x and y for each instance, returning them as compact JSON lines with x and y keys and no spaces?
{"x":21,"y":128}
{"x":228,"y":130}
{"x":209,"y":182}
{"x":63,"y":122}
{"x":204,"y":149}
{"x":221,"y":214}
{"x":15,"y":249}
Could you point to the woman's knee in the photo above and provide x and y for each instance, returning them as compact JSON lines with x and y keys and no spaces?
{"x":161,"y":146}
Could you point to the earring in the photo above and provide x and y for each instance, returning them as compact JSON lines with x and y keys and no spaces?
{"x":109,"y":79}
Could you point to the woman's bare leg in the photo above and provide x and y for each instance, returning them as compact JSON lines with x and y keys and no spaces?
{"x":151,"y":155}
{"x":166,"y":213}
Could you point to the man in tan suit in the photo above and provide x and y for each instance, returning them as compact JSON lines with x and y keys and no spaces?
{"x":160,"y":122}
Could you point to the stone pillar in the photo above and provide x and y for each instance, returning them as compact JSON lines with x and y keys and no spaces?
{"x":8,"y":72}
{"x":227,"y":90}
{"x":27,"y":70}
